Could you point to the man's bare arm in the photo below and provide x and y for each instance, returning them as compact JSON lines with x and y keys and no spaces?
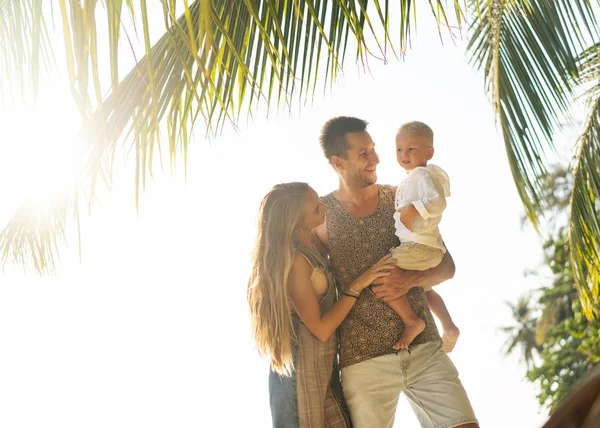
{"x":400,"y":281}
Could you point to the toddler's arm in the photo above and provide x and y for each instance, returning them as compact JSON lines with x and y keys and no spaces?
{"x":407,"y":215}
{"x":431,"y":202}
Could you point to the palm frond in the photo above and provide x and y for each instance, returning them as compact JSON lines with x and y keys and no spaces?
{"x":24,"y":47}
{"x":529,"y":55}
{"x":217,"y":59}
{"x":81,"y":47}
{"x":20,"y":244}
{"x":585,"y":201}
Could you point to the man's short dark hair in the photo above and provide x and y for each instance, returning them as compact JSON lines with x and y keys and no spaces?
{"x":333,"y":134}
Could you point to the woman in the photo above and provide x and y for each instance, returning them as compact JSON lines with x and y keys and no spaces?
{"x":294,"y":311}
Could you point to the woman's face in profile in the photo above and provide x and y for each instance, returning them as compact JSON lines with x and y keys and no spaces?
{"x":314,"y":210}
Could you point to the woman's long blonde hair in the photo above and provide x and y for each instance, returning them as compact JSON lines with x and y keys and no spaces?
{"x":279,"y":216}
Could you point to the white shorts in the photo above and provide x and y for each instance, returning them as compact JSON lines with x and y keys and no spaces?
{"x":426,"y":375}
{"x":414,"y":256}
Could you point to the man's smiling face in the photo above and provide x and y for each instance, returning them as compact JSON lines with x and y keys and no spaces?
{"x":361,"y":159}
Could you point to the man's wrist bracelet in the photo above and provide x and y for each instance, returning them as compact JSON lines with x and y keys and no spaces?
{"x":351,"y":295}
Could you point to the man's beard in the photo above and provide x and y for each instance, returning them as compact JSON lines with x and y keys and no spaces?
{"x":362,"y":181}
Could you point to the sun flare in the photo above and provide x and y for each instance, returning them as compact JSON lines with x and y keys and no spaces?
{"x":43,"y":157}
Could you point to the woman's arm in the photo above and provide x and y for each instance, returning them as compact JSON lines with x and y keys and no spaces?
{"x":306,"y":302}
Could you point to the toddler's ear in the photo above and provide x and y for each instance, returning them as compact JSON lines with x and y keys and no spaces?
{"x":430,"y":151}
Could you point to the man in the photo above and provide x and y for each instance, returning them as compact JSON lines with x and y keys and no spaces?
{"x":358,"y":231}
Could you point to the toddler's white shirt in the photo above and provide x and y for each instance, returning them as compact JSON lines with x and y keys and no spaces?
{"x":425,"y":187}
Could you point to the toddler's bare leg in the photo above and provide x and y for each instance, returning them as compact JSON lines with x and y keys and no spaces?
{"x":413,"y":325}
{"x":438,"y":307}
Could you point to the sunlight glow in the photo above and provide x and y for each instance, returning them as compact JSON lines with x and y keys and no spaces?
{"x":43,"y":157}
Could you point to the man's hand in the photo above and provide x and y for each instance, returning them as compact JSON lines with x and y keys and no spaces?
{"x":396,"y":284}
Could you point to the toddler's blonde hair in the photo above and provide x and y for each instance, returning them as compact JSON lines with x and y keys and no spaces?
{"x":416,"y":127}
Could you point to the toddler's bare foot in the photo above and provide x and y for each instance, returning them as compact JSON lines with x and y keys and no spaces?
{"x":412,"y":329}
{"x":450,"y":337}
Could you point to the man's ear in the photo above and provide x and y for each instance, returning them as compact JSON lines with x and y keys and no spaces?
{"x":337,"y":162}
{"x":430,"y":151}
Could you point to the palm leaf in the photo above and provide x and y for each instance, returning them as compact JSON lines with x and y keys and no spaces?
{"x":24,"y":47}
{"x":529,"y":55}
{"x":217,"y":60}
{"x":536,"y":61}
{"x":585,"y":200}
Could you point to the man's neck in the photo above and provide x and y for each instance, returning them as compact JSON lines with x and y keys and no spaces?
{"x":356,"y":196}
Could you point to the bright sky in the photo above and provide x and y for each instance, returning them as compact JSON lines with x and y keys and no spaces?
{"x":151,"y":328}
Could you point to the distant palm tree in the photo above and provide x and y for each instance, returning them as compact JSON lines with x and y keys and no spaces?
{"x":557,"y":299}
{"x":522,"y":335}
{"x":219,"y":59}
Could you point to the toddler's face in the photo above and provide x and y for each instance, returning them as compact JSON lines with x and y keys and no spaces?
{"x":413,"y":150}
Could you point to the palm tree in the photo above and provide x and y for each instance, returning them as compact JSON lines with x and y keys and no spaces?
{"x":556,"y":300}
{"x":220,"y":59}
{"x":522,"y":335}
{"x":538,"y":59}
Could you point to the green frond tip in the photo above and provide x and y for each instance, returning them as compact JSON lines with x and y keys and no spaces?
{"x":585,"y":215}
{"x":25,"y":50}
{"x":33,"y":235}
